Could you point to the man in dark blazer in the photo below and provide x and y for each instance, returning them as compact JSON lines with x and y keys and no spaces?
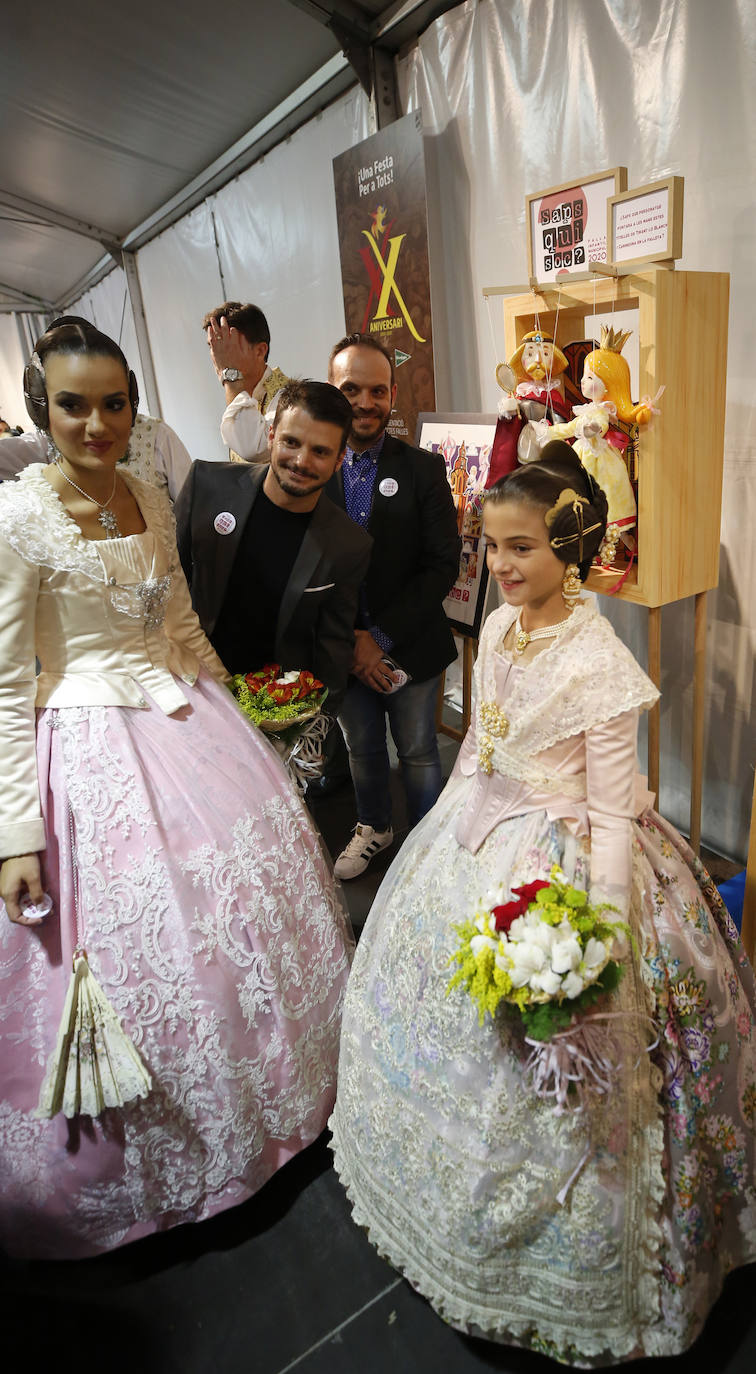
{"x":274,"y":568}
{"x":403,"y":640}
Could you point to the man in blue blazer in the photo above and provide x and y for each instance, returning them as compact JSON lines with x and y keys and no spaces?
{"x":274,"y":568}
{"x":403,"y":640}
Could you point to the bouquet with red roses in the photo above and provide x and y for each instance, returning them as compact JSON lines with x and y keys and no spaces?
{"x":275,"y":700}
{"x":287,"y":706}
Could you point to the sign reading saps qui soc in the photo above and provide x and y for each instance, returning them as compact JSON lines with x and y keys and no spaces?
{"x":383,"y":243}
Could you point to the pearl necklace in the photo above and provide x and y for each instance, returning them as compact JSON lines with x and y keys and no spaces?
{"x":106,"y":518}
{"x":524,"y":637}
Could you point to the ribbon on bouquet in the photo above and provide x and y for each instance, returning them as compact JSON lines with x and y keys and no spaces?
{"x":580,"y":1062}
{"x":304,"y":758}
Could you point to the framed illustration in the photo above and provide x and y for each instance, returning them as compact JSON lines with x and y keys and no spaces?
{"x":566,"y":225}
{"x":464,"y":442}
{"x":646,"y":224}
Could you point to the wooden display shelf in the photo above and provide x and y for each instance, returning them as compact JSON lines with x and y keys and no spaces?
{"x":602,"y":580}
{"x":682,"y":339}
{"x":682,"y":333}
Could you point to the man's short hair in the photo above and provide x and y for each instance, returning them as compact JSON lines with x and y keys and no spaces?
{"x":248,"y":319}
{"x":322,"y":402}
{"x":358,"y":340}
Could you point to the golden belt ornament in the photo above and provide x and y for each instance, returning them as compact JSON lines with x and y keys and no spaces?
{"x":495,"y":726}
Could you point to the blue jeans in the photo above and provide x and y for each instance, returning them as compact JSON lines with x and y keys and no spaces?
{"x":411,"y":715}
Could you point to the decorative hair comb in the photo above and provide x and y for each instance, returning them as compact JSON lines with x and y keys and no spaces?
{"x":568,"y":497}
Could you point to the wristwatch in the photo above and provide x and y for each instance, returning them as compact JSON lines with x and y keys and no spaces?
{"x":231,"y":374}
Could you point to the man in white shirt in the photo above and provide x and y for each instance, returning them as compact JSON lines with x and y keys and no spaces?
{"x":239,"y":341}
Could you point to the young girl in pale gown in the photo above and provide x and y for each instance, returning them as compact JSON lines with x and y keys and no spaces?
{"x":593,"y":1236}
{"x":170,"y":840}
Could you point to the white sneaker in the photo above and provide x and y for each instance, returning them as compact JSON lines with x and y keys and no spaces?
{"x":363,"y":846}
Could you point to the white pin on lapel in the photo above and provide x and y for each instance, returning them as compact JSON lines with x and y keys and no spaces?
{"x":388,"y":487}
{"x":224,"y":523}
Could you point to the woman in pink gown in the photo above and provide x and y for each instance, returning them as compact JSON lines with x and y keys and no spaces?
{"x":170,"y":840}
{"x":593,"y":1236}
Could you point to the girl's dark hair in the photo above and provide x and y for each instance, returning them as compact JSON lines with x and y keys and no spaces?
{"x":73,"y":334}
{"x":541,"y":483}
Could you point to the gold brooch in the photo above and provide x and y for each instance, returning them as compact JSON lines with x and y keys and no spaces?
{"x":496,"y":726}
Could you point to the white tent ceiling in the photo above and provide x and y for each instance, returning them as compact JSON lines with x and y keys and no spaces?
{"x":117,"y":118}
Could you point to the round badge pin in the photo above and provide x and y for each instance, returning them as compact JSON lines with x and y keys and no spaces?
{"x":35,"y":912}
{"x":224,"y":523}
{"x":389,"y":486}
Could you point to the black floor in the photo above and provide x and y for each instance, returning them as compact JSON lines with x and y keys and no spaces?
{"x":284,"y":1282}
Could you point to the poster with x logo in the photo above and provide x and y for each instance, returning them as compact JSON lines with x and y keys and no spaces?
{"x":383,"y":242}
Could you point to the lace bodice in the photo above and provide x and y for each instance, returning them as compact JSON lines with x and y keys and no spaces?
{"x":548,"y":737}
{"x":586,"y":678}
{"x":110,"y":622}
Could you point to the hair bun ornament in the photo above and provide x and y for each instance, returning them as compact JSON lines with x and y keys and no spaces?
{"x":566,"y":497}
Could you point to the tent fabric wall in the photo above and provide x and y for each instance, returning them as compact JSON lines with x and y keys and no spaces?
{"x":12,"y":361}
{"x":519,"y":97}
{"x":269,"y":237}
{"x":277,"y":237}
{"x":180,"y":281}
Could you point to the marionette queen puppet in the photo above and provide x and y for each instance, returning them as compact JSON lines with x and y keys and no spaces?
{"x":598,"y":443}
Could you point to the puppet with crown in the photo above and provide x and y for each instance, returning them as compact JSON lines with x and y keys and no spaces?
{"x":599,"y":444}
{"x":532,"y":383}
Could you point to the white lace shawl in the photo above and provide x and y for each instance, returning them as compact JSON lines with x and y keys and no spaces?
{"x":39,"y":529}
{"x":586,"y":678}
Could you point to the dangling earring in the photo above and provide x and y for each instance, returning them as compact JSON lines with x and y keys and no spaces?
{"x":571,"y":585}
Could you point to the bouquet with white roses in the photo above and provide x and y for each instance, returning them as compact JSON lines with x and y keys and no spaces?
{"x":547,"y":952}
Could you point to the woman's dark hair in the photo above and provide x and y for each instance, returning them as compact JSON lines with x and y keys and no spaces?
{"x":73,"y":334}
{"x":70,"y":334}
{"x":541,"y":484}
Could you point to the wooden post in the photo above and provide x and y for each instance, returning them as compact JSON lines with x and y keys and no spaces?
{"x":440,"y":705}
{"x":467,"y":670}
{"x":748,"y":929}
{"x":467,"y":666}
{"x":699,"y":704}
{"x":654,"y":715}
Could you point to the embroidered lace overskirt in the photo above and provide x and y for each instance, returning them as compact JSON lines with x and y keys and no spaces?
{"x":454,"y":1167}
{"x":211,"y":921}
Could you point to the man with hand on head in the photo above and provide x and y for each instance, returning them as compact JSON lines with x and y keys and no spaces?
{"x":403,"y":641}
{"x":239,"y":341}
{"x":274,"y":568}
